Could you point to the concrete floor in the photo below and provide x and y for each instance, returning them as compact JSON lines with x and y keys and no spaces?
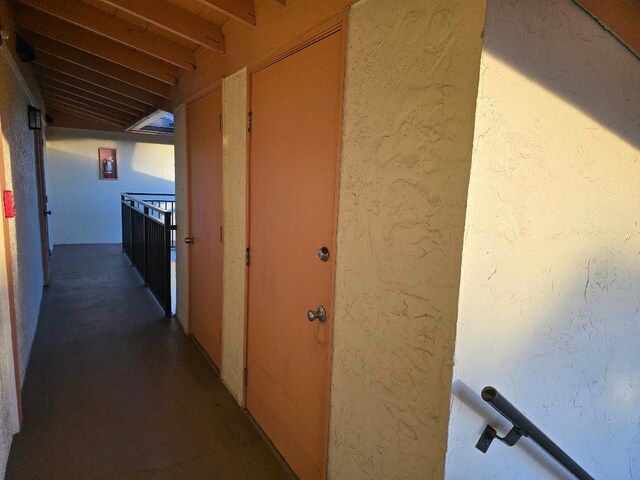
{"x":115,"y":391}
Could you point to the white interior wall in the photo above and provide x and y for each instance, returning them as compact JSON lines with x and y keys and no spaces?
{"x":550,"y":290}
{"x":87,"y":209}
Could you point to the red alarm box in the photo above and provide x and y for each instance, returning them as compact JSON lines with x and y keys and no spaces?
{"x":9,"y":204}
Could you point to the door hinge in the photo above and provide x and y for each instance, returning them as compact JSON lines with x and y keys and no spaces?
{"x":248,"y":256}
{"x":249,"y":121}
{"x":246,"y":377}
{"x":220,"y":122}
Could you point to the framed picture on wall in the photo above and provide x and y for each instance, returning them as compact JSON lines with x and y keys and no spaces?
{"x":108,"y":163}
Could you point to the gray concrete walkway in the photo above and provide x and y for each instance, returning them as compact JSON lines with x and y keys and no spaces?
{"x":115,"y":391}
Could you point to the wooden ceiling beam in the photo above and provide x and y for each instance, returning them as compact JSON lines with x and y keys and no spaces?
{"x":101,"y":109}
{"x":88,"y":87}
{"x":80,"y":106}
{"x":118,"y":30}
{"x":49,"y":84}
{"x":57,"y":109}
{"x":104,"y":81}
{"x":84,"y":111}
{"x":75,"y":120}
{"x":97,"y":64}
{"x":175,"y":20}
{"x":83,"y":97}
{"x":242,"y":10}
{"x":39,"y":22}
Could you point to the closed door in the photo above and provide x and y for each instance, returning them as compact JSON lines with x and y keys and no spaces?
{"x":205,"y":186}
{"x":44,"y":208}
{"x":295,"y":105}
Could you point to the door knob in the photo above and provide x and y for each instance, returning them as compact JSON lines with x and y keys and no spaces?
{"x":48,"y":212}
{"x":323,"y":254}
{"x":188,"y":240}
{"x":320,"y":314}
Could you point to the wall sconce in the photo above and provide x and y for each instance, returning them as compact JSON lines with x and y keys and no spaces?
{"x":35,"y":118}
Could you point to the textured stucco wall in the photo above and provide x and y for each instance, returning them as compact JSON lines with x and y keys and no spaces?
{"x":87,"y":209}
{"x":234,"y":190}
{"x":182,"y":215}
{"x":550,"y":289}
{"x":19,"y":154}
{"x":8,"y":403}
{"x":24,"y":232}
{"x":411,"y":84}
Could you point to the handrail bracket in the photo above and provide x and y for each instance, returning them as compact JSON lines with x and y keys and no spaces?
{"x":510,"y":439}
{"x":523,"y":427}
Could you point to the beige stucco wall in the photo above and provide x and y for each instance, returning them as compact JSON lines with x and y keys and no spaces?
{"x":182,"y":216}
{"x":8,"y":404}
{"x":411,"y":83}
{"x":16,"y":92}
{"x":550,"y":290}
{"x":19,"y":155}
{"x":234,"y":189}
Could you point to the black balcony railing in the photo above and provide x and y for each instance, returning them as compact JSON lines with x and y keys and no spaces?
{"x":523,"y":427}
{"x":148,"y":235}
{"x":167,"y":203}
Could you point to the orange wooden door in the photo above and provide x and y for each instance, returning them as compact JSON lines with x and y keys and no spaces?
{"x":205,"y":185}
{"x":296,"y":106}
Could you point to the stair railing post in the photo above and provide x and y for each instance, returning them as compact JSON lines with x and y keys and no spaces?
{"x":145,"y":273}
{"x":167,"y":264}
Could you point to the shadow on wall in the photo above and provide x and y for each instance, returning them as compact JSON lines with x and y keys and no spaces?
{"x":26,"y":222}
{"x":24,"y":229}
{"x":561,"y":68}
{"x":573,"y":368}
{"x":87,"y":209}
{"x":133,"y":155}
{"x":549,"y":309}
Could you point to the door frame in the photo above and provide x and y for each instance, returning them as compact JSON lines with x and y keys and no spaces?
{"x":43,"y":201}
{"x":337,"y":23}
{"x":200,"y":95}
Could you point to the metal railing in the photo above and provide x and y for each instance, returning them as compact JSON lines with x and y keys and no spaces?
{"x":148,"y":231}
{"x":522,"y":426}
{"x":165,"y":201}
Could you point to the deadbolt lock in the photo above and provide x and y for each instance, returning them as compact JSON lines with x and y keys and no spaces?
{"x":323,"y":254}
{"x":319,"y":314}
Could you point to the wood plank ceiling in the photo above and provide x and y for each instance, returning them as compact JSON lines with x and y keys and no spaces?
{"x":115,"y":61}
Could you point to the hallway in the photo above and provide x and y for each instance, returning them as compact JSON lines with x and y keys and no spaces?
{"x":115,"y":391}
